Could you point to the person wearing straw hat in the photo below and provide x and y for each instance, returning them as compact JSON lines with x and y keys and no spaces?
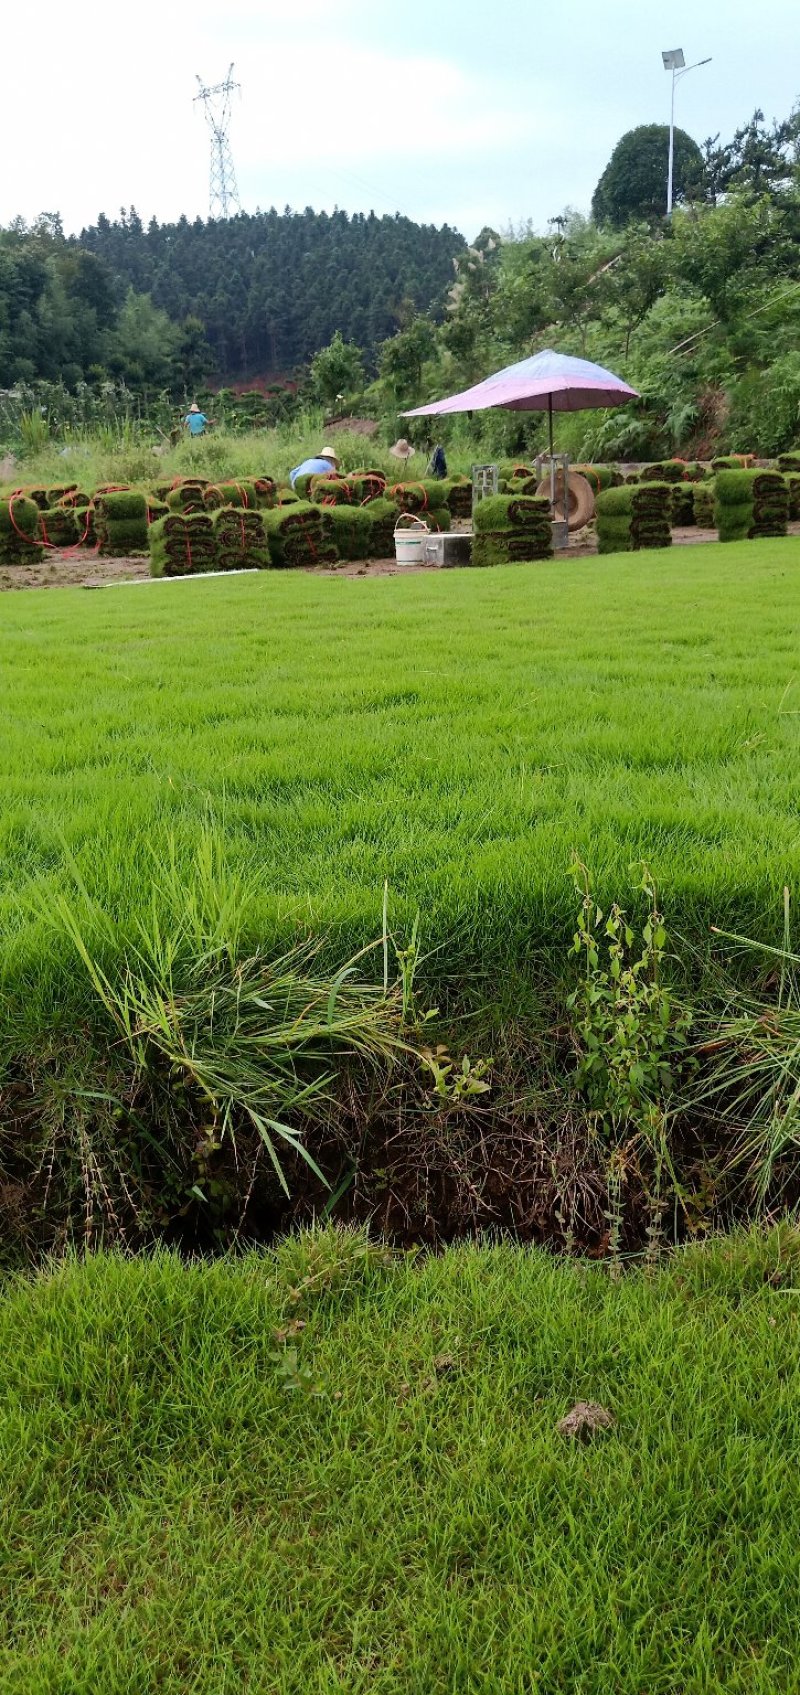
{"x":402,"y":450}
{"x":326,"y":464}
{"x":195,"y":420}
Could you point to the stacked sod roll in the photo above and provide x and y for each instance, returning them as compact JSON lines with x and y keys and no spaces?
{"x":367,"y":486}
{"x":299,"y":535}
{"x":511,"y":529}
{"x":61,"y":526}
{"x":186,"y":496}
{"x":598,"y":476}
{"x":789,"y":461}
{"x":351,"y":531}
{"x":425,"y":500}
{"x":792,"y":480}
{"x":182,"y":544}
{"x":633,"y":517}
{"x":751,"y":503}
{"x":121,"y":523}
{"x":383,"y":517}
{"x":218,"y":495}
{"x":703,"y":502}
{"x":458,"y":497}
{"x":19,"y":531}
{"x":682,"y":504}
{"x":241,"y":540}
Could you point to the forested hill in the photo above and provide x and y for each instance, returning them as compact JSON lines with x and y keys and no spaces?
{"x":272,"y":288}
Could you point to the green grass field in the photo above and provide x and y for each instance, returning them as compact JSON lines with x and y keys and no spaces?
{"x":379,"y":1502}
{"x":460,"y":735}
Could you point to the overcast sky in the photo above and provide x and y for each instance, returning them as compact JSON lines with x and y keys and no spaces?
{"x":447,"y":110}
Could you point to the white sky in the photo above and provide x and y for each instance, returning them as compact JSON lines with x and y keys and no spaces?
{"x":447,"y":110}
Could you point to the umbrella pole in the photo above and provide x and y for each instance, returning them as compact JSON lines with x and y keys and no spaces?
{"x":552,"y":461}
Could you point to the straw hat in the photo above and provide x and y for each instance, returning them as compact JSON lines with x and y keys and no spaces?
{"x":194,"y":407}
{"x":328,"y":453}
{"x":402,"y":449}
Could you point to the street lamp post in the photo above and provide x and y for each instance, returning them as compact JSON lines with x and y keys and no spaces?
{"x":675,"y":62}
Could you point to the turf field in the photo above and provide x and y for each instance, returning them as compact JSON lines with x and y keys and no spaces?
{"x":459,"y":735}
{"x":325,"y":1472}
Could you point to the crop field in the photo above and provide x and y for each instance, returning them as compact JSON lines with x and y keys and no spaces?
{"x":327,"y":1471}
{"x":458,"y":736}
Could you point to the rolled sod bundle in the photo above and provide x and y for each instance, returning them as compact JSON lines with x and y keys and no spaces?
{"x":266,"y":491}
{"x":682,"y":504}
{"x":633,"y":517}
{"x":458,"y":495}
{"x":382,"y":515}
{"x":301,"y":487}
{"x":598,"y":476}
{"x":77,"y":498}
{"x":703,"y":501}
{"x":230,"y":494}
{"x":59,"y":493}
{"x":512,"y":529}
{"x":367,"y":486}
{"x":182,"y":545}
{"x":751,"y":503}
{"x":298,"y":535}
{"x":511,"y":469}
{"x":241,"y":540}
{"x":665,"y":471}
{"x":351,"y":531}
{"x":789,"y":461}
{"x":19,"y":531}
{"x":121,"y":523}
{"x":60,"y":526}
{"x":732,"y":462}
{"x":39,"y":497}
{"x":793,"y":485}
{"x":331,"y":491}
{"x":287,"y":497}
{"x":186,"y":496}
{"x":416,"y":497}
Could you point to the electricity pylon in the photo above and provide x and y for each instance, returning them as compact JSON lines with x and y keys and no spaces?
{"x":223,"y":199}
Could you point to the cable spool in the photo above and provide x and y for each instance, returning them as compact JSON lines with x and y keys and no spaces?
{"x":581,"y":499}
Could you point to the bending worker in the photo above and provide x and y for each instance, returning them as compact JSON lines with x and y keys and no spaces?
{"x":326,"y":464}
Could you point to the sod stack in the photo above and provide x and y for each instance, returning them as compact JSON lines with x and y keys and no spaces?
{"x":241,"y":540}
{"x":458,"y":497}
{"x":634,"y":517}
{"x":298,"y":535}
{"x":751,"y":503}
{"x":186,"y":496}
{"x":383,"y":517}
{"x":367,"y":486}
{"x":331,"y":491}
{"x":351,"y":531}
{"x":512,"y":529}
{"x":789,"y":462}
{"x":182,"y":545}
{"x":598,"y":476}
{"x":19,"y":531}
{"x":218,"y":495}
{"x":424,"y":500}
{"x":703,"y":502}
{"x":792,"y":479}
{"x":121,"y":523}
{"x":61,"y":526}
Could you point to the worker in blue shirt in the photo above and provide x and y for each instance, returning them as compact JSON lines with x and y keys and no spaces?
{"x":326,"y":464}
{"x":195,"y":420}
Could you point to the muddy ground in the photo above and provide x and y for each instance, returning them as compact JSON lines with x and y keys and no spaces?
{"x":87,"y":570}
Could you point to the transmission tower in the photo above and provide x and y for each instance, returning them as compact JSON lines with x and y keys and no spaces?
{"x":223,"y":199}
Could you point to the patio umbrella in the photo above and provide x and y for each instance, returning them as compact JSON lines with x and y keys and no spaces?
{"x":548,"y":382}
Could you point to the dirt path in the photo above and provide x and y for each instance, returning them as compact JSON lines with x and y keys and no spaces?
{"x":87,"y":570}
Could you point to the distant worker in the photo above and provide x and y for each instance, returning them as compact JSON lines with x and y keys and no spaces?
{"x":438,"y":463}
{"x":326,"y":464}
{"x":195,"y":420}
{"x":402,"y":450}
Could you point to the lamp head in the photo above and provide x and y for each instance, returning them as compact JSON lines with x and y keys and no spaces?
{"x":674,"y":59}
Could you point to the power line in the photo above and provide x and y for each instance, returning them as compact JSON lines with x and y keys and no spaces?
{"x":223,"y":199}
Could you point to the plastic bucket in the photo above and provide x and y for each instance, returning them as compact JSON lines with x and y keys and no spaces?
{"x":409,"y":543}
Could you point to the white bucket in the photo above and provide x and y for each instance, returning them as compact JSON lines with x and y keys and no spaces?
{"x":409,"y":544}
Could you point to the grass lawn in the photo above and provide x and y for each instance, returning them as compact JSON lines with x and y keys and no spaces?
{"x":458,"y":734}
{"x":379,"y":1502}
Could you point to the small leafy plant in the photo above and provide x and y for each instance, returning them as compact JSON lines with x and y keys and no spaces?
{"x":629,"y":1028}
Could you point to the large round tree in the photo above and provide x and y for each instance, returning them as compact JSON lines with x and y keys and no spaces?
{"x":634,"y":182}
